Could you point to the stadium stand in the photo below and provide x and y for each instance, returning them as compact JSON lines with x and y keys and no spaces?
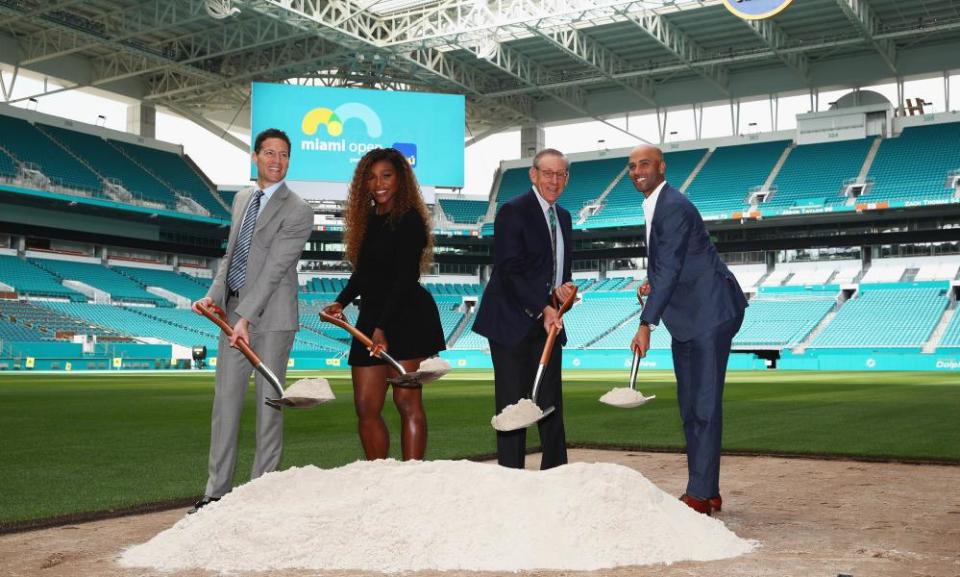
{"x":27,"y":279}
{"x":623,"y":205}
{"x":463,"y":211}
{"x":915,"y":165}
{"x":100,"y":277}
{"x":8,"y":168}
{"x":815,"y":173}
{"x":172,"y":281}
{"x":780,"y":320}
{"x":112,"y":164}
{"x":885,"y":317}
{"x":749,"y":275}
{"x":951,"y":336}
{"x":724,"y":182}
{"x":591,"y":318}
{"x":49,"y":322}
{"x":11,"y":331}
{"x":32,"y":146}
{"x":176,"y":171}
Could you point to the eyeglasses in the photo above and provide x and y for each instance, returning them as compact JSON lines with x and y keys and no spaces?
{"x":550,"y":175}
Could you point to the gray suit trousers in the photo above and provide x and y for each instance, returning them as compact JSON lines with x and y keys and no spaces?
{"x":233,"y":376}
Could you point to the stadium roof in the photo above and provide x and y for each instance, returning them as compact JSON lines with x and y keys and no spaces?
{"x":518,"y":61}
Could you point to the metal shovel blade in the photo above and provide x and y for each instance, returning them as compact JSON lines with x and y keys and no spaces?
{"x":627,"y":397}
{"x":306,"y":393}
{"x":519,"y":416}
{"x":429,"y":370}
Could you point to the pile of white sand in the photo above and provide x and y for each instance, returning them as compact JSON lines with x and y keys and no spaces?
{"x":625,"y":397}
{"x":309,"y":392}
{"x":442,"y":515}
{"x":516,"y":416}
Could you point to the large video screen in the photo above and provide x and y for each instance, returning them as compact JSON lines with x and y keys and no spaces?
{"x":331,"y":128}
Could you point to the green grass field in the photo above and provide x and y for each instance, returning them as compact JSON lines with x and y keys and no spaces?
{"x":83,"y":443}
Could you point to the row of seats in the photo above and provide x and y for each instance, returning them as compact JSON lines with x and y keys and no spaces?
{"x":912,"y":166}
{"x":877,"y":317}
{"x":463,"y":211}
{"x":901,"y":317}
{"x":82,"y":161}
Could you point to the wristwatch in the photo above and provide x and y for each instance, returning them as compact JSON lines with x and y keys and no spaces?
{"x":648,"y":325}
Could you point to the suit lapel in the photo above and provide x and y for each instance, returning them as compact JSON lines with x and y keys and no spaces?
{"x":536,"y":214}
{"x":276,"y":201}
{"x":238,"y":218}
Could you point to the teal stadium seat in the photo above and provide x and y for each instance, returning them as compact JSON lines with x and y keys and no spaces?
{"x":110,"y":163}
{"x":724,"y":182}
{"x":31,"y":145}
{"x":782,"y":320}
{"x":814,"y":174}
{"x":27,"y":279}
{"x":885,"y":317}
{"x":176,"y":171}
{"x":174,"y":282}
{"x":463,"y":211}
{"x":915,"y":165}
{"x":115,"y":284}
{"x":8,"y":167}
{"x":624,"y":205}
{"x":951,"y":335}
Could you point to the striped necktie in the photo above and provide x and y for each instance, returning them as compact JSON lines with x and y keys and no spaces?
{"x":552,"y":213}
{"x":238,"y":264}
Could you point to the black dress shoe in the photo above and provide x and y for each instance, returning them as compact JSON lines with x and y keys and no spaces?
{"x":202,"y":503}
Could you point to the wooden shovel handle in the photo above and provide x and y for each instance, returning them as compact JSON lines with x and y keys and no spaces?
{"x":554,"y":331}
{"x":364,"y":339}
{"x":220,"y":319}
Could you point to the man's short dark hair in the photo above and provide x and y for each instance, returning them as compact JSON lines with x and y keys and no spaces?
{"x":271,"y":133}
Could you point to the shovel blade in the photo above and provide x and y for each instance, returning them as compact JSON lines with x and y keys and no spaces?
{"x":499,"y":425}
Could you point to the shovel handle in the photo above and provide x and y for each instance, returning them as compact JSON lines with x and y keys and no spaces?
{"x":554,"y":331}
{"x":219,"y":318}
{"x":364,"y":339}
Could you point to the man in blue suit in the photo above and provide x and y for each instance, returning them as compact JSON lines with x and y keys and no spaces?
{"x":699,"y":300}
{"x":532,"y":264}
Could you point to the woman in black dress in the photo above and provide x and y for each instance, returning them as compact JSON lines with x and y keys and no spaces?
{"x":389,"y":244}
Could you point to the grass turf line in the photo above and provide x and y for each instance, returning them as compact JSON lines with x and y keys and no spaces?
{"x":83,"y":443}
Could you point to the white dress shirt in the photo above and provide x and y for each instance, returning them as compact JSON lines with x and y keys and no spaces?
{"x":649,"y":206}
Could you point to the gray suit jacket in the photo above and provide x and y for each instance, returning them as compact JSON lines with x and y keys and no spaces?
{"x":268,"y":298}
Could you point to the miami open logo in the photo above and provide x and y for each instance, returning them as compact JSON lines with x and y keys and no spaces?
{"x":335,"y":120}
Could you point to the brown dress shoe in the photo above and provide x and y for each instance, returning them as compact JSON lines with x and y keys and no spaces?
{"x":698,"y":505}
{"x":716,"y":503}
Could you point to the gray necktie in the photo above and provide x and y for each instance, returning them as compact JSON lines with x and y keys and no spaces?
{"x":238,"y":264}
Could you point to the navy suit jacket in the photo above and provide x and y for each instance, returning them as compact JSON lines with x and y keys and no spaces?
{"x":691,"y":289}
{"x":520,"y":285}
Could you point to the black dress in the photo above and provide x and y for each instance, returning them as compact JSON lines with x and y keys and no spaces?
{"x":387,"y":280}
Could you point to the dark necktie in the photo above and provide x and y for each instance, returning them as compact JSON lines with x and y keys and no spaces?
{"x":552,"y":214}
{"x":238,"y":264}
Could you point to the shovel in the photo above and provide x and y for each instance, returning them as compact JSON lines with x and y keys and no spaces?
{"x":429,"y":370}
{"x":302,"y":394}
{"x":629,"y":397}
{"x":526,"y":412}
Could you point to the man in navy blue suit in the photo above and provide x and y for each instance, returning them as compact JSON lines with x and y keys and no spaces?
{"x":532,"y":265}
{"x":699,"y":300}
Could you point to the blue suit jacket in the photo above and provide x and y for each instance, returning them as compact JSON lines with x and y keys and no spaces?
{"x":691,"y":289}
{"x":520,"y":284}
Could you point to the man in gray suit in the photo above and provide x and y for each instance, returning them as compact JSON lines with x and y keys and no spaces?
{"x":256,"y":285}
